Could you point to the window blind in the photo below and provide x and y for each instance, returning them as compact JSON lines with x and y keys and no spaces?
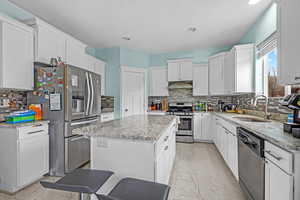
{"x":267,"y":45}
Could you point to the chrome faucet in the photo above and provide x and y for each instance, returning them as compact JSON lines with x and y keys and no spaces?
{"x":267,"y":114}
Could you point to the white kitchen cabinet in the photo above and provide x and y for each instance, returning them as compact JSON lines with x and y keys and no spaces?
{"x":158,"y":81}
{"x":226,"y":142}
{"x":238,"y":70}
{"x":24,"y":156}
{"x":202,"y":132}
{"x":180,"y":70}
{"x":216,"y":74}
{"x":99,"y":68}
{"x":155,"y":158}
{"x":278,"y":184}
{"x":49,"y":41}
{"x":232,"y":156}
{"x":16,"y":59}
{"x":200,"y":80}
{"x":75,"y":53}
{"x":89,"y":63}
{"x":289,"y":41}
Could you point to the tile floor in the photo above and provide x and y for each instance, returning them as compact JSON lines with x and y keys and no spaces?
{"x":199,"y":174}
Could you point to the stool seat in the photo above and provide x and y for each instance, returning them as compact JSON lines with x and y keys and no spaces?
{"x":80,"y":180}
{"x":135,"y":189}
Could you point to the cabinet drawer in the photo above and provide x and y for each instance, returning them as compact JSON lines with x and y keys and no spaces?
{"x":29,"y":131}
{"x":105,"y":117}
{"x":164,"y":140}
{"x":280,"y":157}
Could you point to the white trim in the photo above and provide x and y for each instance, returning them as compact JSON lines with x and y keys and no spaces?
{"x":137,"y":70}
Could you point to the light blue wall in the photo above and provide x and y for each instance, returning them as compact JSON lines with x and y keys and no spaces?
{"x":134,"y":58}
{"x":13,"y":11}
{"x":263,"y":28}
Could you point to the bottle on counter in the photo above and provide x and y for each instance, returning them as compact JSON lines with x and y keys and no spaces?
{"x":37,"y":108}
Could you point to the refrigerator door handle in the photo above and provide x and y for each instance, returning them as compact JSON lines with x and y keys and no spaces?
{"x":92,"y":94}
{"x":84,"y":122}
{"x":89,"y":94}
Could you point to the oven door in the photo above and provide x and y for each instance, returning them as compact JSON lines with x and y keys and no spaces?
{"x":185,"y":127}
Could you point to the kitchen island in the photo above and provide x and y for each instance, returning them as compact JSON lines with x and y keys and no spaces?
{"x":141,"y":146}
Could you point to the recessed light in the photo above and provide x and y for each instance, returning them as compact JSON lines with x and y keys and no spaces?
{"x":126,"y":38}
{"x":192,"y":29}
{"x":253,"y":2}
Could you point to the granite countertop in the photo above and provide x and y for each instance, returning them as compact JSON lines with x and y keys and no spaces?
{"x":138,"y":127}
{"x":271,"y":131}
{"x":19,"y":125}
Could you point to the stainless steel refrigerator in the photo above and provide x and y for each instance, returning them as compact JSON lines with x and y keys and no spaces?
{"x":71,"y":99}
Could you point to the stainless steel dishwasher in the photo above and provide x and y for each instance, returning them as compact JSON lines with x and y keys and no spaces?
{"x":251,"y":164}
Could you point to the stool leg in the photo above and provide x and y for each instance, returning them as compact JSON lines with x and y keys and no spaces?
{"x":81,"y":196}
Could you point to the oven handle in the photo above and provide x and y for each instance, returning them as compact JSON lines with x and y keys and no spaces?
{"x":84,"y":122}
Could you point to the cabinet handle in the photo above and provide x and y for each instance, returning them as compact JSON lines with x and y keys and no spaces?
{"x":33,"y":132}
{"x":274,"y":156}
{"x":166,"y":148}
{"x":37,"y":125}
{"x":166,"y":138}
{"x":297,"y":78}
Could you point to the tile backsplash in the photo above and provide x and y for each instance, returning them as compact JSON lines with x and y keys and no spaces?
{"x":177,"y":94}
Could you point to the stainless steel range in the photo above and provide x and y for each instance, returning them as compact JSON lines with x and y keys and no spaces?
{"x":185,"y":128}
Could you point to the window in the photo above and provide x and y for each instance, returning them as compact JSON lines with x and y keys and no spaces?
{"x":267,"y":70}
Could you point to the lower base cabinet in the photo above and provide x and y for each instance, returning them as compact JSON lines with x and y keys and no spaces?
{"x":278,"y":184}
{"x":226,"y":141}
{"x":202,"y":126}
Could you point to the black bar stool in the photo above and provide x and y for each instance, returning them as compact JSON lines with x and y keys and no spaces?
{"x":135,"y":189}
{"x":83,"y":181}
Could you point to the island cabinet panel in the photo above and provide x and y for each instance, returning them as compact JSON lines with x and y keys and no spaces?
{"x":147,"y":160}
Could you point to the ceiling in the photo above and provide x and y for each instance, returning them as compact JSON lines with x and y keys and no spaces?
{"x":154,"y":26}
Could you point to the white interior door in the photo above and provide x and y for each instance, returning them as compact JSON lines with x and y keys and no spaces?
{"x":133,"y":92}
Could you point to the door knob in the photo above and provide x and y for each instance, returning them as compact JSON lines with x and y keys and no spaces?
{"x":126,"y":110}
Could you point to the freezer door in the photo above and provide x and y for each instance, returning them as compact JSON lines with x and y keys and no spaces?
{"x":77,"y":152}
{"x":95,"y":100}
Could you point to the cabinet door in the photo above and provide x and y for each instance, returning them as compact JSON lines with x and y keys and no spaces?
{"x":33,"y":159}
{"x":278,"y":184}
{"x":229,"y":73}
{"x":233,"y":154}
{"x":163,"y":166}
{"x":100,"y":69}
{"x":50,"y":44}
{"x":200,"y":80}
{"x":173,"y":71}
{"x":186,"y":71}
{"x":289,"y":41}
{"x":216,"y":75}
{"x":205,"y":127}
{"x":159,"y":81}
{"x":17,"y":57}
{"x":197,"y":127}
{"x":75,"y":53}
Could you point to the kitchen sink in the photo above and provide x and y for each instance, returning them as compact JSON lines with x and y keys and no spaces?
{"x":251,"y":119}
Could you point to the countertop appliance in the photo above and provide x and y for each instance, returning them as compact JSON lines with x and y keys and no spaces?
{"x":293,"y":102}
{"x":70,"y":98}
{"x":251,"y":164}
{"x":185,"y":127}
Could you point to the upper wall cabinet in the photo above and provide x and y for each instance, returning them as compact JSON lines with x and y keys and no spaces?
{"x":289,"y":41}
{"x":16,"y":59}
{"x":180,"y":70}
{"x":75,"y":53}
{"x":158,"y":81}
{"x":49,"y":41}
{"x":216,"y":74}
{"x":239,"y":67}
{"x":200,"y":79}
